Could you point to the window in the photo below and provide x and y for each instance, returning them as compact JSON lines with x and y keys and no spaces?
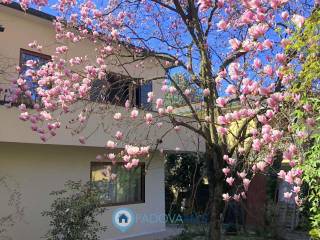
{"x":142,"y":96}
{"x":114,"y":89}
{"x":41,"y":59}
{"x":117,"y":89}
{"x":117,"y":184}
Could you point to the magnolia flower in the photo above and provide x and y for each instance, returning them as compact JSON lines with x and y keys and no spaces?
{"x":117,"y":116}
{"x":226,"y":171}
{"x":206,"y":92}
{"x":119,"y":135}
{"x":82,"y":140}
{"x":222,"y":131}
{"x":226,"y":197}
{"x":311,"y":122}
{"x":135,"y":162}
{"x":268,"y":70}
{"x":177,"y":128}
{"x":150,"y":97}
{"x":246,"y":183}
{"x":127,"y":104}
{"x":187,"y":92}
{"x":149,"y":118}
{"x":256,"y":145}
{"x":285,"y":15}
{"x":134,"y":114}
{"x":110,"y":144}
{"x":261,"y":166}
{"x":296,"y":189}
{"x":234,"y":43}
{"x":221,"y":101}
{"x":242,"y":174}
{"x":230,"y":181}
{"x":24,"y":116}
{"x":257,"y":63}
{"x":132,"y":150}
{"x":111,"y":156}
{"x":298,"y":20}
{"x":287,"y":195}
{"x":236,"y":197}
{"x":169,"y":109}
{"x":159,"y":103}
{"x":222,"y":25}
{"x":172,"y":89}
{"x":231,"y":89}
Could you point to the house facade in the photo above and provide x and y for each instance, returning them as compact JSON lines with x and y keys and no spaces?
{"x":37,"y":168}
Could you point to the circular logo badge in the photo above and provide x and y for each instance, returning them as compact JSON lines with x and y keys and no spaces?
{"x":123,"y":219}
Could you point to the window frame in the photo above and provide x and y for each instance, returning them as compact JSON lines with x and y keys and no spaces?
{"x":142,"y":179}
{"x":35,"y":54}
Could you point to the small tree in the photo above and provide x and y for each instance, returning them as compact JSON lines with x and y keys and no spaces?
{"x":73,"y":214}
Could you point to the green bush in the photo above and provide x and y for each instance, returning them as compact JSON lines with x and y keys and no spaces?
{"x":73,"y":213}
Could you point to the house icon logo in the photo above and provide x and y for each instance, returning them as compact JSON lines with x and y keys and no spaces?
{"x":123,"y":219}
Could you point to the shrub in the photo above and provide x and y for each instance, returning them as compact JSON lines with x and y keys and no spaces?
{"x":73,"y":213}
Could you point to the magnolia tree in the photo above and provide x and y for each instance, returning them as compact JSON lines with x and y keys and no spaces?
{"x":233,"y":53}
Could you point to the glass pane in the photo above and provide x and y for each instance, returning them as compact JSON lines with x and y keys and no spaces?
{"x":118,"y":184}
{"x":143,"y":95}
{"x":112,"y":90}
{"x":32,"y":85}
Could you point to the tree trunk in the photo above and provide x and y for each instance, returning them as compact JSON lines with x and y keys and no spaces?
{"x":214,"y":160}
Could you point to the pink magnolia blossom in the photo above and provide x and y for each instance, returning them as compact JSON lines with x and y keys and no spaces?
{"x":117,"y":116}
{"x":236,"y":197}
{"x":82,"y":140}
{"x":256,"y":145}
{"x":206,"y":92}
{"x":246,"y":183}
{"x":111,"y":144}
{"x":234,"y":43}
{"x":119,"y":135}
{"x":187,"y":92}
{"x":285,"y":15}
{"x":221,"y":101}
{"x":307,"y":107}
{"x":149,"y":118}
{"x":257,"y":63}
{"x":226,"y":197}
{"x":287,"y":195}
{"x":204,"y":5}
{"x":231,"y":89}
{"x":222,"y":131}
{"x":311,"y":122}
{"x":230,"y":181}
{"x":261,"y":166}
{"x":222,"y":25}
{"x":268,"y":44}
{"x":172,"y":89}
{"x":226,"y":171}
{"x":298,"y":20}
{"x":268,"y":70}
{"x":159,"y":103}
{"x":134,"y":114}
{"x":169,"y":109}
{"x":135,"y":162}
{"x":111,"y":156}
{"x":242,"y":174}
{"x":150,"y":97}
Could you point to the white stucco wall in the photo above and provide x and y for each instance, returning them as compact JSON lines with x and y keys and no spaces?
{"x":38,"y":170}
